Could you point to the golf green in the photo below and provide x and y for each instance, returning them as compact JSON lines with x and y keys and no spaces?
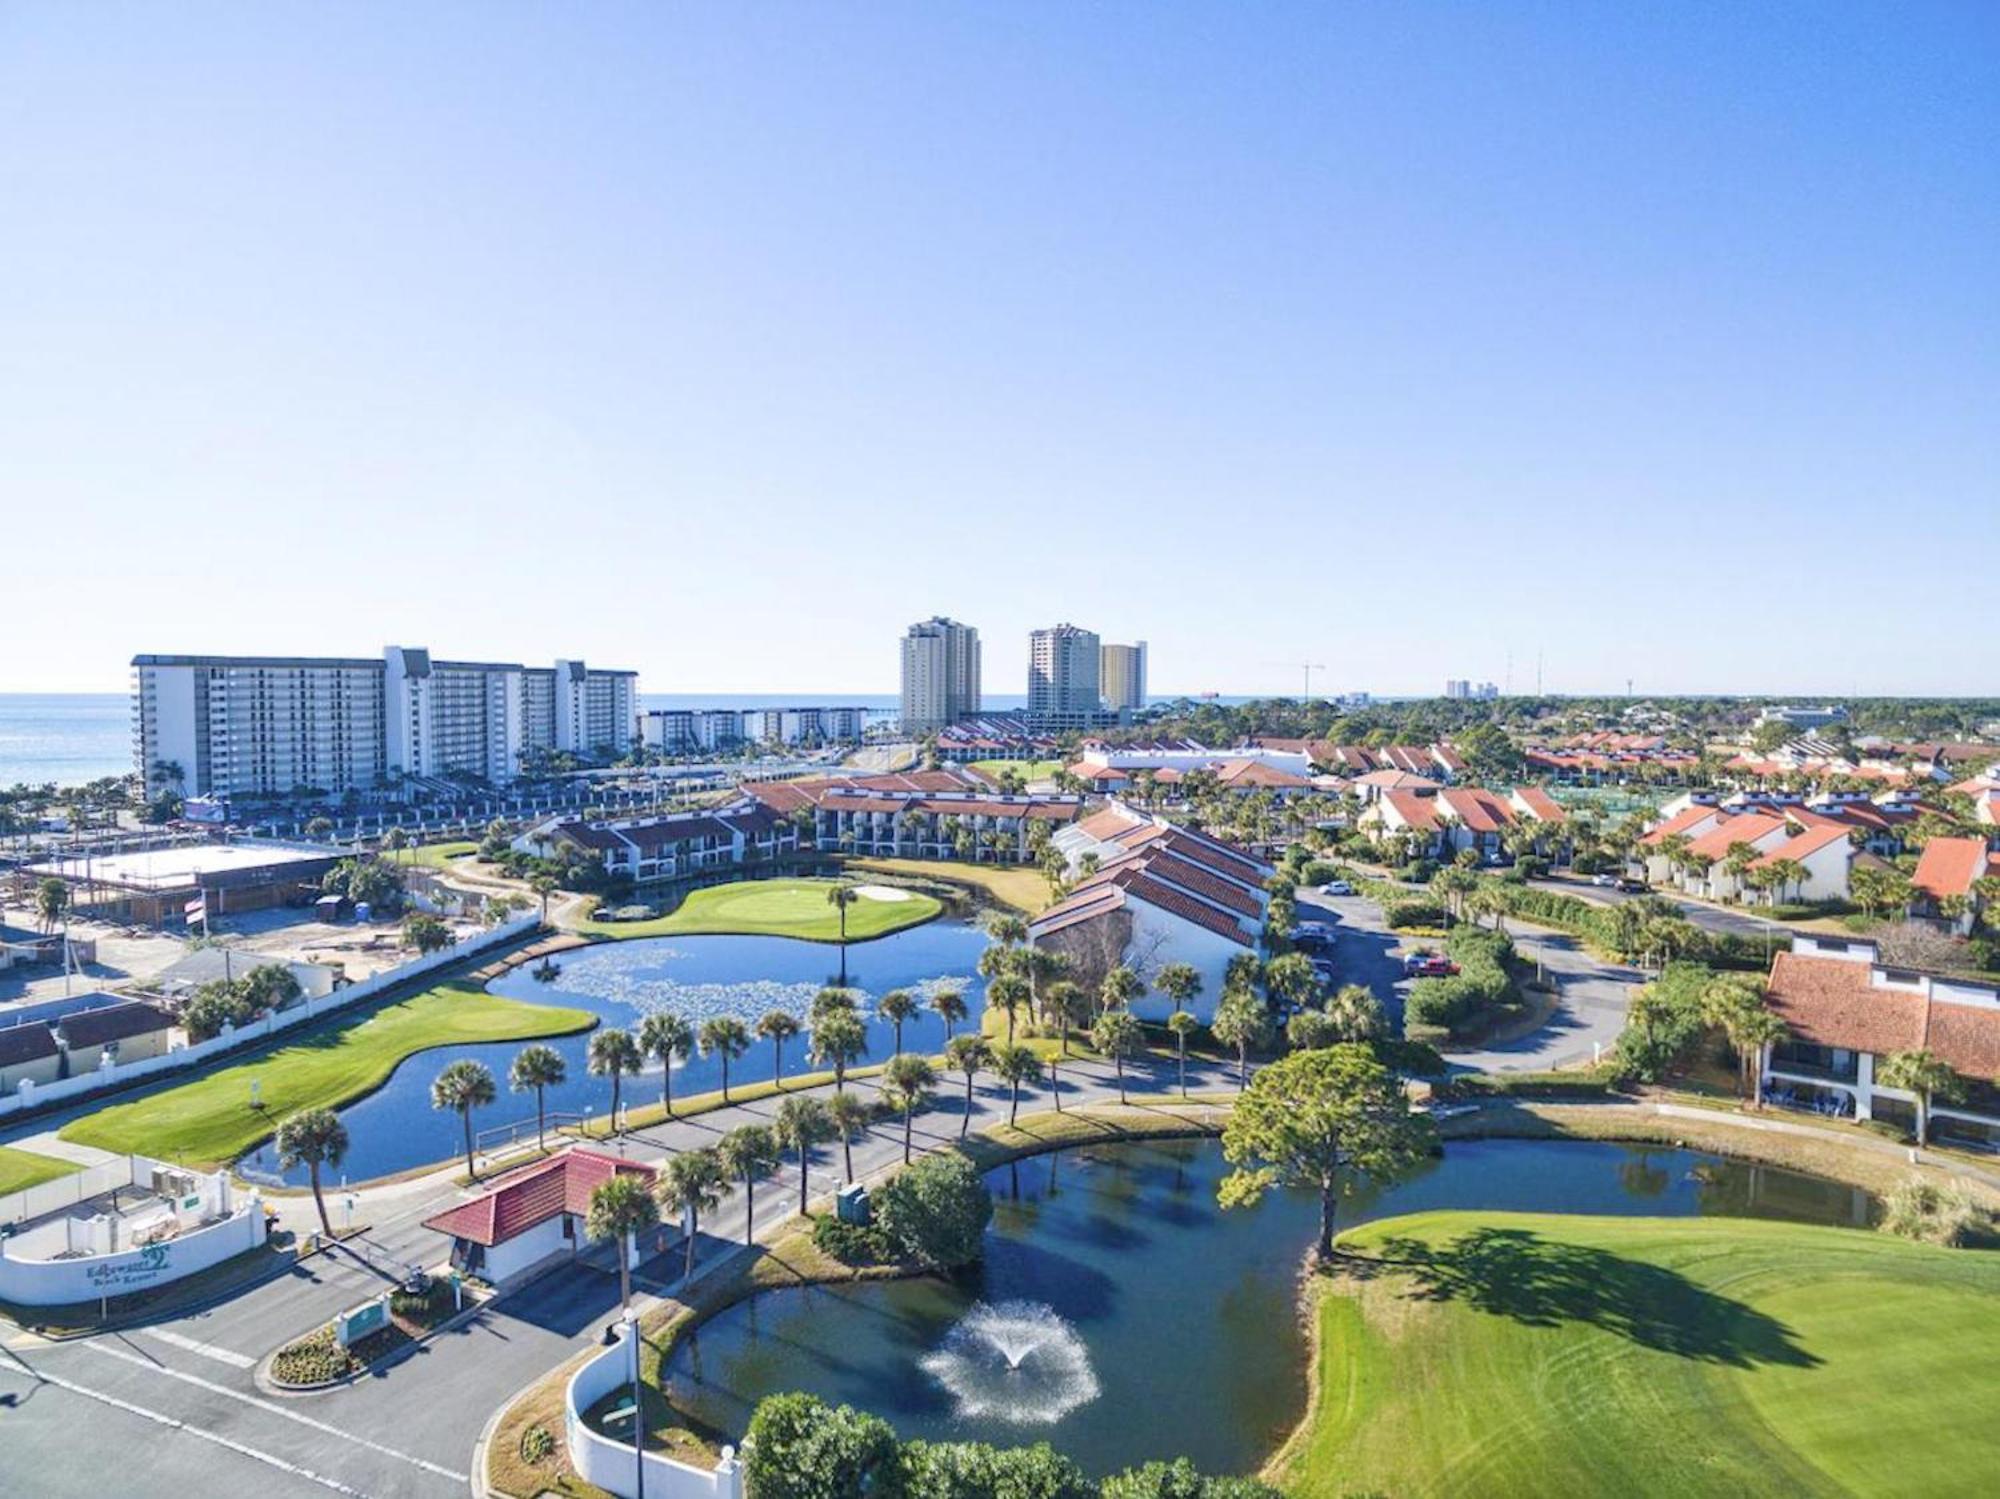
{"x":780,"y":908}
{"x":209,"y":1119}
{"x":1474,"y":1353}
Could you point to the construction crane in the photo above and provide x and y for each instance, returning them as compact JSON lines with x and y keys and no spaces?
{"x":1308,"y":667}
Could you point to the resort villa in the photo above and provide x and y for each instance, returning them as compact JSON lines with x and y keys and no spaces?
{"x":1150,"y":893}
{"x":1848,"y":1013}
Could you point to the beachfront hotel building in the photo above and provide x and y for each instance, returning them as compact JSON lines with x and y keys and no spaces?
{"x":268,"y":725}
{"x":940,"y":674}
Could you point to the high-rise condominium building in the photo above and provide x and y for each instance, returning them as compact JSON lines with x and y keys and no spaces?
{"x":1121,"y":675}
{"x":1062,"y":672}
{"x":940,"y":674}
{"x":239,"y":725}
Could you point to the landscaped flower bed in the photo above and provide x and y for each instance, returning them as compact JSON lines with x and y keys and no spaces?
{"x":317,"y":1358}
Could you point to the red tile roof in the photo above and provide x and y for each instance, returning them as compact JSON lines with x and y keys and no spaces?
{"x":1751,"y":828}
{"x":1948,"y":866}
{"x":1418,"y":811}
{"x":533,"y":1195}
{"x":1481,"y":811}
{"x":1541,"y":806}
{"x":1806,"y":844}
{"x":1830,"y":1002}
{"x":1679,"y":823}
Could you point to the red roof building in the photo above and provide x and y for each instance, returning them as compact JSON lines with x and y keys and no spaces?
{"x":530,"y":1214}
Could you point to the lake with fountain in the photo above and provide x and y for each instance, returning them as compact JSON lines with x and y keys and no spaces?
{"x":395,"y":1127}
{"x":1122,"y":1316}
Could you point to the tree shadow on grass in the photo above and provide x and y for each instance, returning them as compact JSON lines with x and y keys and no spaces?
{"x":1544,"y":1283}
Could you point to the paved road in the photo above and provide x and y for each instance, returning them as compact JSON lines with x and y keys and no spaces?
{"x":1592,"y":995}
{"x":182,"y":1391}
{"x":1708,"y":918}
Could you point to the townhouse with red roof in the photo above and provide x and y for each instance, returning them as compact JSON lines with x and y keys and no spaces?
{"x":1946,"y":884}
{"x":1846,"y":1013}
{"x":1151,"y":892}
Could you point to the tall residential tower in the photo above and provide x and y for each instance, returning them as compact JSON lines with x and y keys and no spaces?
{"x":1121,"y":675}
{"x":1062,"y":673}
{"x":940,"y":674}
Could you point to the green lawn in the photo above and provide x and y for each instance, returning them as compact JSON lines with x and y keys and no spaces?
{"x":208,"y":1120}
{"x":1523,"y":1353}
{"x":437,"y":855}
{"x":1031,"y":770}
{"x":21,"y":1169}
{"x":775,"y":908}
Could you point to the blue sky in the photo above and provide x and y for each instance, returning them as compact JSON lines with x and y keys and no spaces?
{"x":722,"y":341}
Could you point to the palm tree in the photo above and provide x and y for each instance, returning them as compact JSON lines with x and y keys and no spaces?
{"x":1924,"y":1074}
{"x":544,"y":885}
{"x":1356,"y":1013}
{"x":395,"y":841}
{"x":802,"y":1123}
{"x":620,"y":1208}
{"x":668,"y":1036}
{"x":906,"y":1087}
{"x":838,"y":1041}
{"x":895,"y":1007}
{"x":538,"y":1068}
{"x":968,"y":1054}
{"x":613,"y":1053}
{"x":850,"y":1114}
{"x":464,"y":1086}
{"x":1183,"y":1024}
{"x":778,"y":1027}
{"x":314,"y":1138}
{"x":1116,"y":1034}
{"x":827,"y":1001}
{"x":1015,"y":1065}
{"x":1240,"y":1021}
{"x":691,"y":1185}
{"x":1121,"y":986}
{"x":1009,"y":992}
{"x":949,"y":1005}
{"x":1007,"y":929}
{"x":747,"y":1153}
{"x":727,"y":1037}
{"x":1068,"y":1006}
{"x":1180,"y":983}
{"x":840,"y":897}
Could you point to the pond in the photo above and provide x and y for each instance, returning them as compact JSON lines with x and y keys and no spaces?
{"x":1120,"y":1315}
{"x":395,"y":1128}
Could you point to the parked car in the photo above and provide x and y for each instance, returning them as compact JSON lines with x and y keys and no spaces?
{"x":1605,"y":881}
{"x":1415,"y":960}
{"x":1631,"y":886}
{"x":1437,"y":968}
{"x":1324,"y":969}
{"x":1336,"y":887}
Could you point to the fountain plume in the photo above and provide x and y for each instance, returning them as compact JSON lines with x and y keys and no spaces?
{"x":1014,"y":1361}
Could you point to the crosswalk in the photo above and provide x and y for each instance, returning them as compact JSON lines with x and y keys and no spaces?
{"x":220,"y":1355}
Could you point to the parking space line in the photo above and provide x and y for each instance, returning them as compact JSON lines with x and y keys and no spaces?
{"x":274,"y":1408}
{"x":174,"y":1423}
{"x":227,"y":1356}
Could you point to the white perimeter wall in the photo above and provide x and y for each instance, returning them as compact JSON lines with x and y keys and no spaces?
{"x":38,"y":1094}
{"x":612,"y":1465}
{"x":66,"y":1282}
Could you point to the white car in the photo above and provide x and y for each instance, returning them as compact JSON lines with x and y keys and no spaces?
{"x":1605,"y":881}
{"x":1336,"y":887}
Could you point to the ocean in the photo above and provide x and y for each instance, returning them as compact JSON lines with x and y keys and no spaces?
{"x":73,"y":737}
{"x":65,"y":737}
